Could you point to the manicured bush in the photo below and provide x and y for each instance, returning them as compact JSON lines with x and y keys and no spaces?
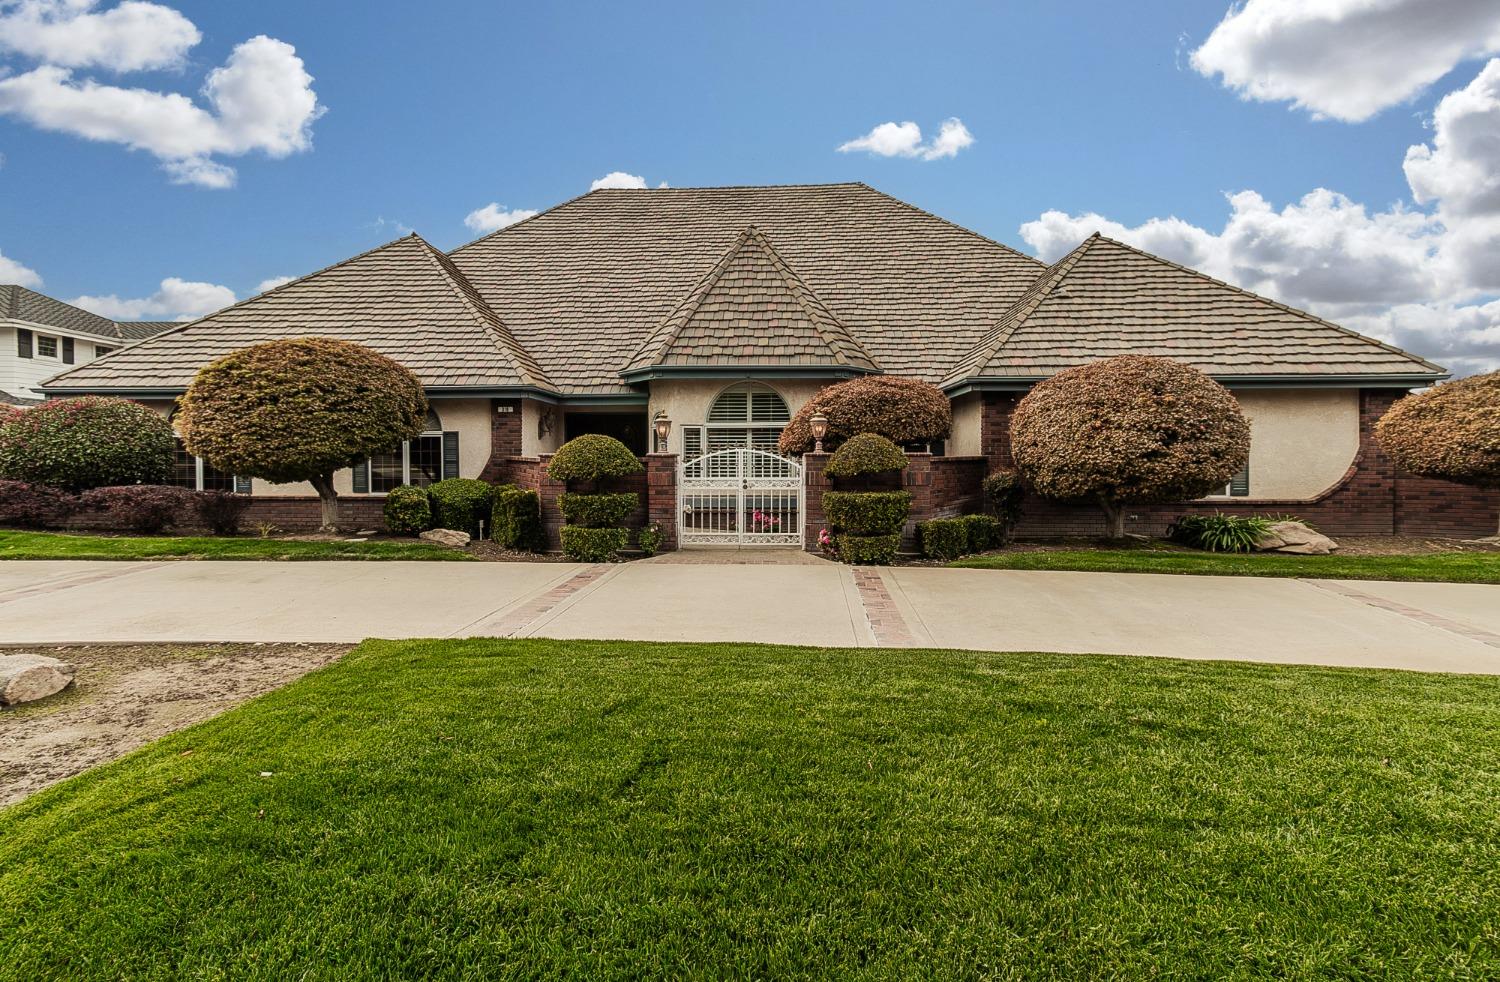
{"x":869,"y":550}
{"x":461,"y":503}
{"x":904,"y":410}
{"x":10,"y":413}
{"x":592,"y":457}
{"x":1003,"y":496}
{"x":985,"y":532}
{"x":516,"y":521}
{"x":943,"y":538}
{"x":87,"y":442}
{"x":407,"y":511}
{"x":1128,"y":430}
{"x":597,"y":511}
{"x":865,"y":453}
{"x":1450,"y":432}
{"x":221,"y":511}
{"x":300,"y":409}
{"x":1220,"y":533}
{"x":648,"y":540}
{"x":867,"y":512}
{"x":593,"y":545}
{"x":146,"y":508}
{"x":34,"y":506}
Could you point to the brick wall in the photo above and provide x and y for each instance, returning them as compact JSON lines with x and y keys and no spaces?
{"x":505,"y":438}
{"x":815,"y":484}
{"x":655,"y":488}
{"x":301,"y":514}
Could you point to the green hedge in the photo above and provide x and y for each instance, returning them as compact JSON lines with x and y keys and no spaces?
{"x":407,"y":511}
{"x":597,"y":511}
{"x":593,"y":545}
{"x":985,"y":532}
{"x":944,"y":538}
{"x":866,"y":453}
{"x":461,"y":503}
{"x":869,"y":550}
{"x":516,"y":520}
{"x":592,"y":457}
{"x":867,"y":512}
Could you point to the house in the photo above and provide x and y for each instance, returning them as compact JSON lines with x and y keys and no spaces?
{"x":724,"y":310}
{"x":40,"y":336}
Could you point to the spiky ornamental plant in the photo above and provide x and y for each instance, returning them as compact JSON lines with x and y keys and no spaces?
{"x":1128,"y":430}
{"x":1450,"y":432}
{"x":300,"y":409}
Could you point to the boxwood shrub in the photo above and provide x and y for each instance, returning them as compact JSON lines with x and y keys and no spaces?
{"x":869,"y":550}
{"x":460,"y":503}
{"x":597,"y":511}
{"x":516,"y":521}
{"x":592,"y":457}
{"x":587,"y":545}
{"x":867,"y":512}
{"x":866,"y":453}
{"x":985,"y":532}
{"x":944,"y":538}
{"x":407,"y":511}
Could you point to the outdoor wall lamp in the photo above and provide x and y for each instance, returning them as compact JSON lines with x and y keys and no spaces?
{"x":819,"y":425}
{"x":663,"y":426}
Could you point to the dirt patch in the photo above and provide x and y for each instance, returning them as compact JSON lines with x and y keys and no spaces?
{"x":125,"y":696}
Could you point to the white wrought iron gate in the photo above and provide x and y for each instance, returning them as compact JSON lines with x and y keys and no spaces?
{"x":740,"y":497}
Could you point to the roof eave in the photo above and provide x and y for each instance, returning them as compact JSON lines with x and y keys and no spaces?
{"x":651,"y":372}
{"x":1405,"y":380}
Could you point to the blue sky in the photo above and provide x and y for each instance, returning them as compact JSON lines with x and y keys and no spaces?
{"x":430,"y":111}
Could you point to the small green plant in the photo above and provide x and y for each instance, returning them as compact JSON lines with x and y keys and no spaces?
{"x":649,"y":540}
{"x":943,"y":538}
{"x":407,"y":511}
{"x":869,"y":550}
{"x":985,"y":532}
{"x":866,"y":453}
{"x":460,"y":503}
{"x":267,"y":530}
{"x":1003,"y":495}
{"x":867,"y":512}
{"x":1219,"y":532}
{"x":597,"y":511}
{"x":593,"y":545}
{"x":516,"y":521}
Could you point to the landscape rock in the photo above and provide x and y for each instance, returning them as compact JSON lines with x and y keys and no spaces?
{"x":446,"y":537}
{"x":25,"y":677}
{"x":1295,"y":538}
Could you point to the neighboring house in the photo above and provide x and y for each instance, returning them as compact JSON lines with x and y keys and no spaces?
{"x":726,"y":309}
{"x":40,"y":336}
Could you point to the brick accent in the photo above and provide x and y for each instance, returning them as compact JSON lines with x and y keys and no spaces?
{"x":661,"y":496}
{"x":531,"y":472}
{"x":505,"y":438}
{"x":298,"y":514}
{"x":815,"y":482}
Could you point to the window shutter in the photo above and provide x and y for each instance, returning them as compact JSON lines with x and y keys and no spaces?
{"x":692,"y":442}
{"x":1239,"y":485}
{"x":362,"y":477}
{"x":767,"y":407}
{"x":731,"y":407}
{"x":450,"y":454}
{"x":241,"y":485}
{"x":23,"y":343}
{"x":67,"y":351}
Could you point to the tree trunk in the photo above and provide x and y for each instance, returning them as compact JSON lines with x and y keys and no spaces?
{"x":329,"y":499}
{"x":1114,"y":518}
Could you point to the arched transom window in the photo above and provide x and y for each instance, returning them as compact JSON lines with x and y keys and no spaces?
{"x":749,"y":414}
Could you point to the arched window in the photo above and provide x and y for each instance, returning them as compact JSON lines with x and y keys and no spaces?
{"x":749,"y":414}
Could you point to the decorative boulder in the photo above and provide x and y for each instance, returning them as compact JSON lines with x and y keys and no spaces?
{"x":1295,"y":538}
{"x":446,"y":537}
{"x":26,"y":677}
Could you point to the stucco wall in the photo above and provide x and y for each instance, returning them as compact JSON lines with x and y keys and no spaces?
{"x":533,"y":441}
{"x":686,"y":401}
{"x":968,"y":414}
{"x":1302,"y":441}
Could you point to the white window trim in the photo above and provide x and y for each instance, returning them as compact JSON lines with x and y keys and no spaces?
{"x":405,"y":464}
{"x":36,"y":346}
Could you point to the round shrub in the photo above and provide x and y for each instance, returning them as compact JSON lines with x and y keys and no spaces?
{"x":985,"y":532}
{"x":221,"y":511}
{"x":593,"y":545}
{"x":145,"y":508}
{"x":1450,"y":432}
{"x":10,"y":413}
{"x":904,"y":410}
{"x":592,"y":457}
{"x":867,"y":512}
{"x":943,"y":538}
{"x":1129,"y":430}
{"x":300,"y":409}
{"x":34,"y":506}
{"x":88,"y":442}
{"x":869,"y":550}
{"x":461,"y":503}
{"x":407,"y":511}
{"x":597,"y":511}
{"x":865,"y":453}
{"x":516,"y":521}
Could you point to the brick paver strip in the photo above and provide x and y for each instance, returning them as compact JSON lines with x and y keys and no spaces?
{"x":885,"y":619}
{"x":1415,"y":613}
{"x":529,"y":612}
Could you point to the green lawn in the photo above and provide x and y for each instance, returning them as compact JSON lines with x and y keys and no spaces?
{"x":1447,"y":567}
{"x":55,"y":545}
{"x":530,"y":809}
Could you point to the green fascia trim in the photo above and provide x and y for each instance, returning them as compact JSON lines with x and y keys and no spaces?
{"x":127,"y":391}
{"x":750,"y":372}
{"x":965,"y":386}
{"x":433,"y":392}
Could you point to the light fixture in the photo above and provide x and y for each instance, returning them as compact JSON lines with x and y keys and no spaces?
{"x":663,"y":428}
{"x":819,"y":425}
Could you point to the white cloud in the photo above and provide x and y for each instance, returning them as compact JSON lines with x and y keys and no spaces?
{"x":1465,"y":339}
{"x":619,"y":179}
{"x":493,"y":217}
{"x":129,"y":37}
{"x":13,"y":273}
{"x":273,"y":283}
{"x":1345,"y":59}
{"x":177,"y":299}
{"x":261,"y":99}
{"x":905,"y":140}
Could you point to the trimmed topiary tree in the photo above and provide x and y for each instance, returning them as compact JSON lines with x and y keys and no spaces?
{"x":593,"y":532}
{"x":1126,"y":431}
{"x":904,"y":410}
{"x":88,"y":442}
{"x":865,"y":454}
{"x":1450,"y":432}
{"x":869,"y":522}
{"x":592,"y":457}
{"x":299,"y":410}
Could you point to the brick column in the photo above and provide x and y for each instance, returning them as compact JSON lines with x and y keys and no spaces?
{"x":548,"y":490}
{"x":505,"y":437}
{"x":994,"y":428}
{"x":661,"y":496}
{"x":815,"y":483}
{"x":917,"y":479}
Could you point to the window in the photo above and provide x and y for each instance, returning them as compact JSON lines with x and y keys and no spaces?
{"x":1238,"y":486}
{"x":197,"y":474}
{"x":420,"y":461}
{"x":46,"y":346}
{"x":100,"y":350}
{"x":746,"y":415}
{"x":24,"y":340}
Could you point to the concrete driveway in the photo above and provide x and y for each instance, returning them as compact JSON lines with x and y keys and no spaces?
{"x":1425,"y":626}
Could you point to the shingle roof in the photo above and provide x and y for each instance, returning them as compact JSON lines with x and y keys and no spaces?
{"x":405,"y":299}
{"x":750,"y":309}
{"x":136,"y":330}
{"x":1106,"y":298}
{"x":7,"y":399}
{"x":22,"y":304}
{"x":583,"y":285}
